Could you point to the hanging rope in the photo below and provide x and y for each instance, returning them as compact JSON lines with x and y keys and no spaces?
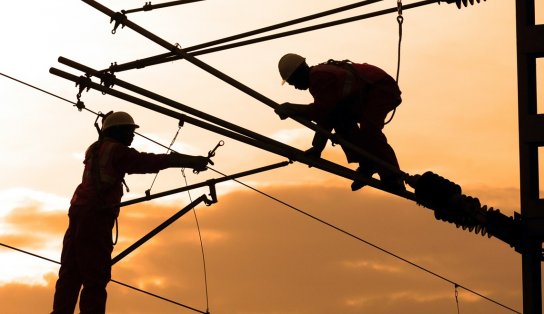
{"x":201,"y":243}
{"x":457,"y":297}
{"x":400,"y":20}
{"x":168,"y":149}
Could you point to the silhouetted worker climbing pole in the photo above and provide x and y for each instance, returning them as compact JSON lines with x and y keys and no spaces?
{"x":354,"y":100}
{"x":87,"y":245}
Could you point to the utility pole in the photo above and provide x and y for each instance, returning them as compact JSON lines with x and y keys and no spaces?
{"x":530,"y":46}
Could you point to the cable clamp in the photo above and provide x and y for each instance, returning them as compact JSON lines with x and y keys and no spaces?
{"x":213,"y":193}
{"x":147,"y":6}
{"x":79,"y":105}
{"x":107,"y":79}
{"x":400,"y":18}
{"x":84,"y":83}
{"x":113,"y":67}
{"x":120,"y":18}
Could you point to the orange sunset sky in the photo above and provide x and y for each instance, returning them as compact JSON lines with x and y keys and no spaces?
{"x":458,"y":119}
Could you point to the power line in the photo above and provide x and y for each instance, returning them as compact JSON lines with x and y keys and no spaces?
{"x":112,"y":280}
{"x":358,"y":238}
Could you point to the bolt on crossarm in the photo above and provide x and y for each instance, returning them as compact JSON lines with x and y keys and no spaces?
{"x":227,"y":79}
{"x":148,"y":6}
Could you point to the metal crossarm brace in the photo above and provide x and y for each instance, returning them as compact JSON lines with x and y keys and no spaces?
{"x":198,"y":49}
{"x":161,"y":227}
{"x":166,"y":57}
{"x":106,"y":76}
{"x":267,"y":101}
{"x":210,"y":183}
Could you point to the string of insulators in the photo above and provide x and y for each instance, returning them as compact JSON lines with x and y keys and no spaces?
{"x":445,"y":198}
{"x":464,"y":2}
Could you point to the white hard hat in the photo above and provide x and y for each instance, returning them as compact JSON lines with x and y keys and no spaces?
{"x":288,"y":64}
{"x":118,"y":118}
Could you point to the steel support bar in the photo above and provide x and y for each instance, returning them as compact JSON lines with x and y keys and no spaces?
{"x":161,"y":58}
{"x":115,"y":81}
{"x":149,"y":6}
{"x":529,"y":41}
{"x":227,"y":79}
{"x":291,"y":153}
{"x":168,"y":57}
{"x":205,"y":183}
{"x":159,"y":228}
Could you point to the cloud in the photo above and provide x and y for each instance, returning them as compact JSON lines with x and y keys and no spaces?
{"x":262,"y":257}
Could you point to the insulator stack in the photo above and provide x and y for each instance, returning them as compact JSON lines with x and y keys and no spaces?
{"x":463,"y":2}
{"x":445,"y":199}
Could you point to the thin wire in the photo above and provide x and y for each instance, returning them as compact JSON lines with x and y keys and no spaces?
{"x":112,"y":280}
{"x":367,"y":242}
{"x":332,"y":226}
{"x":201,"y":242}
{"x":168,"y":149}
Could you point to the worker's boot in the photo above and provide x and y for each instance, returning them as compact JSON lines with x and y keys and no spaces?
{"x":393,"y":184}
{"x":366,"y":171}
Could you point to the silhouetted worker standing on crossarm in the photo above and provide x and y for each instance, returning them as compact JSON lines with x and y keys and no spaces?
{"x":87,"y":245}
{"x":354,"y":100}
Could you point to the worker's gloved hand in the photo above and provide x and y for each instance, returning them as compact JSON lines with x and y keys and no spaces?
{"x":197,"y":163}
{"x":313,"y":152}
{"x":283,"y":110}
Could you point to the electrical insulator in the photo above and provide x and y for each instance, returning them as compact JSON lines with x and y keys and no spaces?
{"x":449,"y":204}
{"x":464,"y":2}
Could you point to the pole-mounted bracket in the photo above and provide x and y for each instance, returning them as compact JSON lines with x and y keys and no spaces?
{"x":213,"y":193}
{"x":84,"y":84}
{"x":107,"y":79}
{"x":120,"y":19}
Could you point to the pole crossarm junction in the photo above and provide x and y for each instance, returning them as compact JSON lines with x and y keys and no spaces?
{"x":202,"y":199}
{"x":109,"y":80}
{"x":283,"y":150}
{"x":154,"y":232}
{"x":227,"y":79}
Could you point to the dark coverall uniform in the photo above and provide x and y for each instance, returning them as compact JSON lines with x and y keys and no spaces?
{"x":87,"y":245}
{"x":354,"y":99}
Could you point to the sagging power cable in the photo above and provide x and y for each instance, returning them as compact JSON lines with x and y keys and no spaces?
{"x":112,"y":280}
{"x":326,"y":224}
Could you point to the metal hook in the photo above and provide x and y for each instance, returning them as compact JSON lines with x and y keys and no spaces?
{"x":119,"y":18}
